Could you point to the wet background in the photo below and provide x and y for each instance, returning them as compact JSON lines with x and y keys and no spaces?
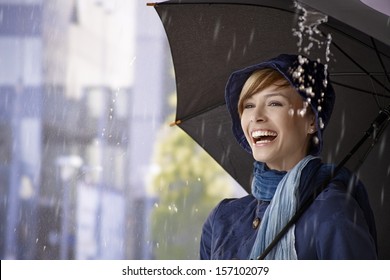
{"x":89,"y":167}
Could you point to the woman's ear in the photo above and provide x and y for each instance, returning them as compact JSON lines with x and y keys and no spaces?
{"x":312,"y":124}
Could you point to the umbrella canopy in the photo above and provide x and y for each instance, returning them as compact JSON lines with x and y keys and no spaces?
{"x":211,"y":39}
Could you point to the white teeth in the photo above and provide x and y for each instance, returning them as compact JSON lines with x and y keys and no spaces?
{"x":262,"y":142}
{"x":261,"y":133}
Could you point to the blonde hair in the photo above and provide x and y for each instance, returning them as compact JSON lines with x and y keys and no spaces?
{"x":258,"y":81}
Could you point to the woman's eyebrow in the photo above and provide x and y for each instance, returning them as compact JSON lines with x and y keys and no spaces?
{"x":275,"y":94}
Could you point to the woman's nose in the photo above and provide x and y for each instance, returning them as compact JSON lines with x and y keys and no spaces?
{"x":258,"y":115}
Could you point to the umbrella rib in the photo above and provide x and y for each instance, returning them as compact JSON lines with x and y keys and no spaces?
{"x":338,"y":74}
{"x":354,"y":61}
{"x":222,"y":3}
{"x":354,"y":39}
{"x":193,"y":115}
{"x":361,"y":67}
{"x":380,"y":59}
{"x":361,"y":90}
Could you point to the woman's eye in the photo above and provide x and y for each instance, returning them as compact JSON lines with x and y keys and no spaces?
{"x":249,"y":106}
{"x":275,"y":103}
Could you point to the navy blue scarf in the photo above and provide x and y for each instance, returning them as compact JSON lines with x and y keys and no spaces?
{"x":265,"y":181}
{"x":284,"y":203}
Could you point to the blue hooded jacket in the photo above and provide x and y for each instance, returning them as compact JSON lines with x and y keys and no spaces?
{"x":338,"y":225}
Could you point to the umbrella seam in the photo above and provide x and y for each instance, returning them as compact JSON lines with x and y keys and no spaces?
{"x":195,"y":114}
{"x":360,"y":90}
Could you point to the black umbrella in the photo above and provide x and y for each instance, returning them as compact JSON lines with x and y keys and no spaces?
{"x":211,"y":39}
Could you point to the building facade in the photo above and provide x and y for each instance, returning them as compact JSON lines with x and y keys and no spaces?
{"x":75,"y":112}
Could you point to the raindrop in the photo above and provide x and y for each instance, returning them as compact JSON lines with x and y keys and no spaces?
{"x":252,"y":36}
{"x":342,"y":134}
{"x":338,"y":145}
{"x":301,"y":59}
{"x":316,"y":141}
{"x":203,"y":127}
{"x":219,"y":132}
{"x":322,"y":125}
{"x":132,"y":61}
{"x":229,"y":55}
{"x":216,"y":30}
{"x":327,"y":50}
{"x":302,"y":112}
{"x":291,"y":112}
{"x":234,"y":43}
{"x":383,"y":196}
{"x":296,"y":74}
{"x":382,"y":146}
{"x":309,"y":91}
{"x":172,"y":208}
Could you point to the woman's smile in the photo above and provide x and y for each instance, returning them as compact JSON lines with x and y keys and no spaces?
{"x":261,"y":137}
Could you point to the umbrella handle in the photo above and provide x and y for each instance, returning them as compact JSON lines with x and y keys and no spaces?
{"x":380,"y":122}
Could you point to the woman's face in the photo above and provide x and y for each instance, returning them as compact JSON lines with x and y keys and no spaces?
{"x":277,"y":126}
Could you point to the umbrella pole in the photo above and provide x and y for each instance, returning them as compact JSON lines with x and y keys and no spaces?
{"x":379,"y":124}
{"x":380,"y":121}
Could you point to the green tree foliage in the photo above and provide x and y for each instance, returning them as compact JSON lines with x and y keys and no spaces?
{"x":187,"y":184}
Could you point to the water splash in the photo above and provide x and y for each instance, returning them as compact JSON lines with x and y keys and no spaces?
{"x":308,"y":33}
{"x":310,"y":38}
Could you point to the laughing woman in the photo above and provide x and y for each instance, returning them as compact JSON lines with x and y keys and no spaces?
{"x":279,"y":110}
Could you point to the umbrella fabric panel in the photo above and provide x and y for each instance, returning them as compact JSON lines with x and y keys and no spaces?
{"x":215,"y":124}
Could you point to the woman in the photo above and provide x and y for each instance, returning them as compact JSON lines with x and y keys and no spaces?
{"x":279,"y":110}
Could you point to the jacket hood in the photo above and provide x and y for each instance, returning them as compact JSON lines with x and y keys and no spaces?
{"x":309,"y":78}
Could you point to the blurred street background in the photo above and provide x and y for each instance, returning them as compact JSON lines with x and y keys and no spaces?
{"x":89,"y":167}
